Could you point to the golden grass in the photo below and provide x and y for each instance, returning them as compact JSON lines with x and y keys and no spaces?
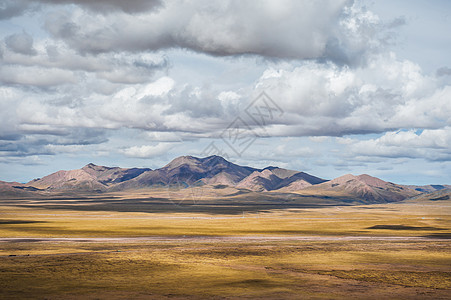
{"x":177,"y":268}
{"x":354,"y":221}
{"x":198,"y":268}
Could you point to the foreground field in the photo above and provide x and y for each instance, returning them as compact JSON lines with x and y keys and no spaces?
{"x":197,"y":268}
{"x":76,"y":251}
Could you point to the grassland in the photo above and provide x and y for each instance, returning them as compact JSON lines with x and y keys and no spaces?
{"x":95,"y":248}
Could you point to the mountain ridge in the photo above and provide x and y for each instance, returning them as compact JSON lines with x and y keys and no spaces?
{"x":185,"y":171}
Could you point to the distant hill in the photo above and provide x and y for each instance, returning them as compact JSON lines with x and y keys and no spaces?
{"x":438,"y":195}
{"x":214,"y":171}
{"x":428,"y":188}
{"x":90,"y":177}
{"x":16,"y":189}
{"x":364,"y":188}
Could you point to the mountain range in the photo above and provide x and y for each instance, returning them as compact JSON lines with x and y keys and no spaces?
{"x":215,"y":171}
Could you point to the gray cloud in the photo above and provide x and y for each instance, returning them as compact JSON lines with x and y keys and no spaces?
{"x":444,"y":71}
{"x":196,"y":103}
{"x":295,"y":30}
{"x":13,"y":8}
{"x":44,"y":140}
{"x":21,"y":43}
{"x":106,"y":6}
{"x":317,"y":99}
{"x":56,"y":65}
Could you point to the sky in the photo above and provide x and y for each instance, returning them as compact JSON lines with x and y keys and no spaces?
{"x":326,"y":87}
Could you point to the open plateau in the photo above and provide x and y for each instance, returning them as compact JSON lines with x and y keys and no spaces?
{"x":208,"y":228}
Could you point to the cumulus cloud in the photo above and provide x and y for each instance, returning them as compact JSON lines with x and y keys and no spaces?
{"x":434,"y":145}
{"x":334,"y":30}
{"x":13,"y":8}
{"x":50,"y":57}
{"x":147,"y":151}
{"x":328,"y":100}
{"x":20,"y":43}
{"x":317,"y":100}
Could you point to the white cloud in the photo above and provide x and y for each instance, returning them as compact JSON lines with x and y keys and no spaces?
{"x":35,"y":76}
{"x":159,"y":88}
{"x":385,"y":94}
{"x":147,"y":151}
{"x":429,"y":144}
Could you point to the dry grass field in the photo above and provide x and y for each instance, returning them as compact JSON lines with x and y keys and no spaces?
{"x":95,"y":248}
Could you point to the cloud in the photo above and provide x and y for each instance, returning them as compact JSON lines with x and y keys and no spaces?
{"x":317,"y":99}
{"x":147,"y":151}
{"x":328,"y":30}
{"x":49,"y":56}
{"x":106,"y":6}
{"x":48,"y":140}
{"x":21,"y":43}
{"x":332,"y":100}
{"x":433,"y":145}
{"x":34,"y":76}
{"x":13,"y":8}
{"x":443,"y":71}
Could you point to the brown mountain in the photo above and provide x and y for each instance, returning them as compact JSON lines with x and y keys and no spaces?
{"x":215,"y":171}
{"x":88,"y":178}
{"x":264,"y":180}
{"x":13,"y":189}
{"x":364,"y":188}
{"x":438,"y":195}
{"x":282,"y":180}
{"x":429,"y":188}
{"x":189,"y":170}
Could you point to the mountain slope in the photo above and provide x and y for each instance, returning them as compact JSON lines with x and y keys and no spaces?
{"x":363,"y":188}
{"x":438,"y":195}
{"x":428,"y":188}
{"x":90,"y":177}
{"x":264,"y":180}
{"x":282,"y":180}
{"x":215,"y":171}
{"x":16,"y":189}
{"x":191,"y":170}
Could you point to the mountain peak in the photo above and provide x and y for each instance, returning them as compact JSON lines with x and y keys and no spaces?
{"x":372,"y":181}
{"x":214,"y":160}
{"x":95,"y":168}
{"x":182,"y":160}
{"x":193,"y":161}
